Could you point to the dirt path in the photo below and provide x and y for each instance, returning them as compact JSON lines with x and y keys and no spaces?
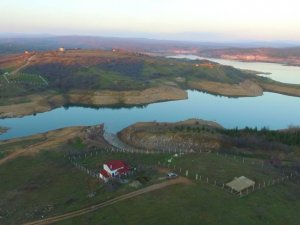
{"x":114,"y":140}
{"x":52,"y":139}
{"x":28,"y":61}
{"x":51,"y":220}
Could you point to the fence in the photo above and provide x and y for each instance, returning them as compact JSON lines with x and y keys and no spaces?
{"x":214,"y":182}
{"x":196,"y":176}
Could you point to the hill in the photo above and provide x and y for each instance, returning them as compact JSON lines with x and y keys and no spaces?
{"x":40,"y":81}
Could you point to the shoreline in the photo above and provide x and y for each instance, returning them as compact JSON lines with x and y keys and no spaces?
{"x":138,"y":98}
{"x":243,"y":58}
{"x":48,"y":102}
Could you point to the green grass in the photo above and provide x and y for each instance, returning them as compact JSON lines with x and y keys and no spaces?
{"x":19,"y":144}
{"x":128,"y":71}
{"x":223,"y":169}
{"x":2,"y":80}
{"x":2,"y":154}
{"x":48,"y":184}
{"x":23,"y":78}
{"x":201,"y":204}
{"x":133,"y":159}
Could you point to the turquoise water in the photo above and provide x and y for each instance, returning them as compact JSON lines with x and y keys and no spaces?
{"x":272,"y":110}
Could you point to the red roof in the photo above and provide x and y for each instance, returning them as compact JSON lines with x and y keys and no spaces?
{"x":118,"y":165}
{"x":104,"y":173}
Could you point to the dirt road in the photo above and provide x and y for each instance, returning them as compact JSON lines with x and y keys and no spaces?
{"x":51,"y":139}
{"x":28,"y":61}
{"x":51,"y":220}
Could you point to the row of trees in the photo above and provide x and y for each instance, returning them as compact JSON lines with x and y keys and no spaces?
{"x":288,"y":137}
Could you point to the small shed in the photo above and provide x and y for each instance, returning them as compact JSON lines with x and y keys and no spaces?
{"x":240,"y":183}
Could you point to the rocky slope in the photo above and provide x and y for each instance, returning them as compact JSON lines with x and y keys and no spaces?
{"x":165,"y":136}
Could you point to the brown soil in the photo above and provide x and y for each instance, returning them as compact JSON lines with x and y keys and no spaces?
{"x":51,"y":139}
{"x":246,"y":88}
{"x":185,"y":122}
{"x":282,"y":89}
{"x":295,"y":61}
{"x":48,"y":101}
{"x":27,"y":62}
{"x":13,"y":61}
{"x":162,"y":137}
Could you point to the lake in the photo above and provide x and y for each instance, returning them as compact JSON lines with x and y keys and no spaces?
{"x":279,"y":72}
{"x":271,"y":110}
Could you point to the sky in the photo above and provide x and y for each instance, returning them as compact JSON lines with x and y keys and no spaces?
{"x":209,"y":20}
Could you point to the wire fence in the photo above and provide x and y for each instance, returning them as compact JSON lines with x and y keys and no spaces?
{"x":198,"y":177}
{"x":285,"y":176}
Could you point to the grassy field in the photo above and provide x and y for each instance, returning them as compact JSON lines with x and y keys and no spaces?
{"x":45,"y":184}
{"x":201,"y":204}
{"x":23,"y":78}
{"x":214,"y":166}
{"x":222,"y":169}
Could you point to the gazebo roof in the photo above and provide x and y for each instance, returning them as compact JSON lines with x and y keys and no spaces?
{"x":240,"y":183}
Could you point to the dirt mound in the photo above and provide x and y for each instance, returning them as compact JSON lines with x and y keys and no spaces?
{"x":173,"y":137}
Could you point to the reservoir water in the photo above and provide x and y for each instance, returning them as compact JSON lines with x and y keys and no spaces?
{"x":279,"y":72}
{"x":272,"y":110}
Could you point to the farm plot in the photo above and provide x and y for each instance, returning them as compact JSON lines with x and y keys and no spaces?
{"x":31,"y":79}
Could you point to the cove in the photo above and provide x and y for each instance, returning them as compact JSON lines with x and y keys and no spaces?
{"x":272,"y":110}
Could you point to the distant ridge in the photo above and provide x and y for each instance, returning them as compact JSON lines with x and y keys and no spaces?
{"x":14,"y":43}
